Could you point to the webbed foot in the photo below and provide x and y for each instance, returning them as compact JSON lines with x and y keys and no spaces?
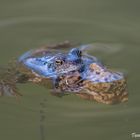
{"x":8,"y":89}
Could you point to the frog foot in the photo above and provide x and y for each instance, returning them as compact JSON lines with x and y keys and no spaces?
{"x":8,"y":89}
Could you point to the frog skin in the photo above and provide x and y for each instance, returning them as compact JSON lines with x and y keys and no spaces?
{"x":97,"y":83}
{"x":71,"y":72}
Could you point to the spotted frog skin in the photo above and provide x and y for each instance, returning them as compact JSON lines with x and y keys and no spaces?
{"x":72,"y":72}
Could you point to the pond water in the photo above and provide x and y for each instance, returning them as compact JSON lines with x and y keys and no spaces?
{"x":111,"y":25}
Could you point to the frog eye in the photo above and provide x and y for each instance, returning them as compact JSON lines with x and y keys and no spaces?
{"x":59,"y":62}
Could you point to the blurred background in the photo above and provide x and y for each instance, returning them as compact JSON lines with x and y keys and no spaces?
{"x":112,"y":25}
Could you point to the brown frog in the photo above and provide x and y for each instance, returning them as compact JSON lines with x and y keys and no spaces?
{"x":71,"y":72}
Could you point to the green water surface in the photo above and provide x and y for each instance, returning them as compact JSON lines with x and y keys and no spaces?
{"x":26,"y":24}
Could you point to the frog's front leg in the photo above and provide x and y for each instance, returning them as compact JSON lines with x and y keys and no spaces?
{"x":56,"y":90}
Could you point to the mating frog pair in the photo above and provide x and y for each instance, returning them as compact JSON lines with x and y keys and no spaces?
{"x":72,"y":72}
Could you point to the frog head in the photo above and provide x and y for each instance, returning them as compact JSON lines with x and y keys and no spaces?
{"x":53,"y":64}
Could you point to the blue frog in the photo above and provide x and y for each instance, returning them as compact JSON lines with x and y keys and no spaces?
{"x":68,"y":72}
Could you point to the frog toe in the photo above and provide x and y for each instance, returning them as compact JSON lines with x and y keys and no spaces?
{"x":8,"y":89}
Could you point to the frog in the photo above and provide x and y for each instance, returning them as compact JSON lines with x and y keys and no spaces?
{"x":65,"y":73}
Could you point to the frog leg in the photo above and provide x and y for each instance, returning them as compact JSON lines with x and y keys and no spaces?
{"x":105,"y":98}
{"x":8,"y":86}
{"x":56,"y":91}
{"x":8,"y":89}
{"x":9,"y":77}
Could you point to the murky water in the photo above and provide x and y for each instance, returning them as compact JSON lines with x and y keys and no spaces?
{"x":111,"y":25}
